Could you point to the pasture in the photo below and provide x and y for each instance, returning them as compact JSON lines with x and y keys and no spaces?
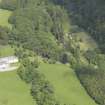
{"x":67,"y":87}
{"x":6,"y":50}
{"x":14,"y":91}
{"x":4,"y":15}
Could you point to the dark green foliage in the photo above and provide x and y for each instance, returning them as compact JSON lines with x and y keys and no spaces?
{"x":38,"y":26}
{"x":42,"y":91}
{"x":4,"y":35}
{"x":64,"y":58}
{"x":91,"y":56}
{"x":19,"y":53}
{"x":58,"y":16}
{"x":93,"y":81}
{"x":100,"y":61}
{"x":32,"y":28}
{"x":88,"y":14}
{"x":26,"y":70}
{"x":73,"y":62}
{"x":8,"y":4}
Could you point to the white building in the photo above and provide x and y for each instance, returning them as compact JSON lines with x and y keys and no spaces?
{"x":10,"y":59}
{"x":5,"y":62}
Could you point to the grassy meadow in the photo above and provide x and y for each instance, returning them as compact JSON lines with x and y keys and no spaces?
{"x":6,"y":51}
{"x":4,"y":15}
{"x":67,"y":86}
{"x":14,"y":91}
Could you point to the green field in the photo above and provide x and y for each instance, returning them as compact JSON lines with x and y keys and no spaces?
{"x":67,"y":86}
{"x":13,"y":91}
{"x":6,"y":51}
{"x":4,"y":15}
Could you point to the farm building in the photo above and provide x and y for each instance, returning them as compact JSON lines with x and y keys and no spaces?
{"x":5,"y":62}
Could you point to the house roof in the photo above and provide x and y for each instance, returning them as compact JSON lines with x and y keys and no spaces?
{"x":6,"y":59}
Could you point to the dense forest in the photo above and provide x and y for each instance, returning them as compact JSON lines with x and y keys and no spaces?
{"x":44,"y":26}
{"x":49,"y":29}
{"x":88,"y":15}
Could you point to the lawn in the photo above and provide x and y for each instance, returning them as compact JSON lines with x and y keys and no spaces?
{"x":14,"y":91}
{"x":6,"y":51}
{"x":4,"y":15}
{"x":67,"y":86}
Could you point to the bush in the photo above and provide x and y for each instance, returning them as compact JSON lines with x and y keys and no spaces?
{"x":50,"y":61}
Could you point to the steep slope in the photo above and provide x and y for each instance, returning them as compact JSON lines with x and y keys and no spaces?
{"x":89,"y":15}
{"x":67,"y":86}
